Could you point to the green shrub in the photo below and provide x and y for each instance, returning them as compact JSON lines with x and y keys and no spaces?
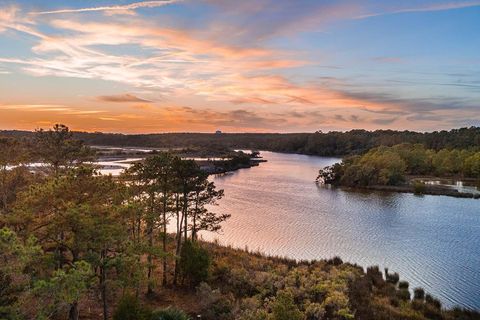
{"x":429,"y":299}
{"x":403,"y":294}
{"x":392,"y":278}
{"x":418,"y":305}
{"x":221,"y":309}
{"x":418,"y":294}
{"x":194,"y":263}
{"x":129,"y":308}
{"x":335,"y":261}
{"x":374,"y":276}
{"x":284,"y":308}
{"x":403,"y":285}
{"x":419,"y":187}
{"x":431,"y":312}
{"x":8,"y":296}
{"x":169,"y":314}
{"x":214,"y":304}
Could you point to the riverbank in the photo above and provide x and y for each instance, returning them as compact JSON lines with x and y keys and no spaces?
{"x":250,"y":285}
{"x":424,"y":190}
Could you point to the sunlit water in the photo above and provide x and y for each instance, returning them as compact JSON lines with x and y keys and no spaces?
{"x":432,"y":241}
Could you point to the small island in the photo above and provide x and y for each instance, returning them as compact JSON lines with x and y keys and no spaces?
{"x":409,"y":168}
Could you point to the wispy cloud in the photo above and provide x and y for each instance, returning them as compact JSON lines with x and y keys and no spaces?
{"x":48,"y":108}
{"x":122,"y":9}
{"x":452,"y":5}
{"x":389,"y":59}
{"x":120,"y":98}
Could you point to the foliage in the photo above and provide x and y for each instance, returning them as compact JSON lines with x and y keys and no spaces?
{"x":8,"y":296}
{"x":58,"y":148}
{"x":194,"y":263}
{"x":419,"y":294}
{"x":130,"y":308}
{"x":284,"y":308}
{"x":65,"y":287}
{"x":419,"y":187}
{"x":14,"y":176}
{"x":332,"y":143}
{"x":391,"y":165}
{"x":169,"y":314}
{"x":214,"y":305}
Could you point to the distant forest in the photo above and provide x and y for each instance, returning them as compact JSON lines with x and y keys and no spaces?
{"x":318,"y":143}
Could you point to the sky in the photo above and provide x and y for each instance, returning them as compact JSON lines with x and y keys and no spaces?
{"x":239,"y":66}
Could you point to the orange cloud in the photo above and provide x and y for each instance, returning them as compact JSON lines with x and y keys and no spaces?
{"x":119,"y":98}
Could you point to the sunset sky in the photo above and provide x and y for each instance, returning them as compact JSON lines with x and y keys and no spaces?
{"x":240,"y":65}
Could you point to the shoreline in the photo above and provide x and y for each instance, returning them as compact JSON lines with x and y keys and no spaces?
{"x":433,"y":191}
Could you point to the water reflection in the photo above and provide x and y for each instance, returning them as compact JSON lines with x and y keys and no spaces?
{"x":432,"y":241}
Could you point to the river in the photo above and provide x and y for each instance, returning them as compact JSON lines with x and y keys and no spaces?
{"x":432,"y":241}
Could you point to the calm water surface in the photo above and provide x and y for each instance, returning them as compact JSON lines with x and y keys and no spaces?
{"x":432,"y":241}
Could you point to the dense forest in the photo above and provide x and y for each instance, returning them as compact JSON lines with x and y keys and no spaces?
{"x":318,"y":143}
{"x":391,"y":165}
{"x":75,"y":244}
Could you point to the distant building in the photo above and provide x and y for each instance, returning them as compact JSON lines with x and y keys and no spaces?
{"x":218,"y":132}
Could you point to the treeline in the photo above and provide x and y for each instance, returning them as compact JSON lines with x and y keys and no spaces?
{"x":391,"y":165}
{"x":69,"y":234}
{"x":318,"y":143}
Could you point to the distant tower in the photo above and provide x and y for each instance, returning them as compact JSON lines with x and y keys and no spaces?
{"x":218,"y":132}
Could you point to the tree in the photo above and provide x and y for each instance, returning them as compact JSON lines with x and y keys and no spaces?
{"x":58,"y":149}
{"x":76,"y":217}
{"x":194,"y":263}
{"x":472,"y":166}
{"x":19,"y":261}
{"x":165,"y":186}
{"x":13,"y":176}
{"x":165,"y":182}
{"x":205,"y":193}
{"x":66,"y":286}
{"x":110,"y":247}
{"x":153,"y":179}
{"x":185,"y":172}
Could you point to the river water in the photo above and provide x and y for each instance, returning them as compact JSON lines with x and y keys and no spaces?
{"x":432,"y":241}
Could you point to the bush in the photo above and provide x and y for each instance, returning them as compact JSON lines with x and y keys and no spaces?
{"x":403,"y":294}
{"x":194,"y":263}
{"x":335,"y":261}
{"x":433,"y":301}
{"x":419,"y":294}
{"x":392,"y":278}
{"x":8,"y":296}
{"x":431,"y":312}
{"x":214,"y":304}
{"x":419,"y":187}
{"x":403,"y":285}
{"x":284,"y":308}
{"x":169,"y":314}
{"x":129,"y":308}
{"x":374,"y":276}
